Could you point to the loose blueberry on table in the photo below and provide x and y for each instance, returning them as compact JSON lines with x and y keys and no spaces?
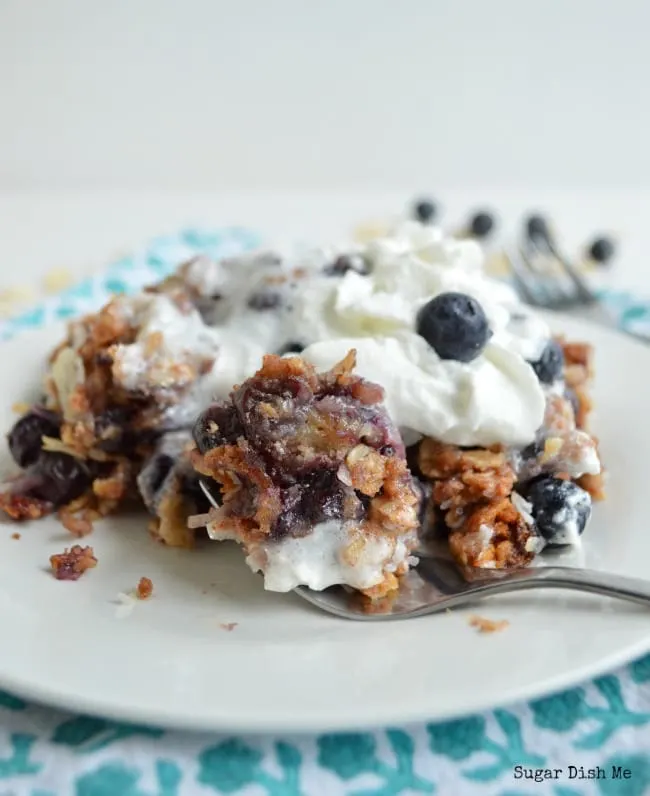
{"x":424,"y":210}
{"x":537,"y":229}
{"x":481,"y":224}
{"x":602,"y":250}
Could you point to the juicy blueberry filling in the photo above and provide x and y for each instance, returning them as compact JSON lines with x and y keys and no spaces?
{"x":308,"y":436}
{"x":26,"y":437}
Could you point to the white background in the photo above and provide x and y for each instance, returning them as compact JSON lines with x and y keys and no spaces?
{"x":336,"y":94}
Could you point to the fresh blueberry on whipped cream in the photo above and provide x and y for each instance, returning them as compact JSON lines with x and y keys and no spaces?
{"x":494,"y":398}
{"x":455,"y":326}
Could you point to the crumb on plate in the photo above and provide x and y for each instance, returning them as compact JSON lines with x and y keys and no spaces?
{"x":228,"y":625}
{"x":72,"y":563}
{"x":484,"y":625}
{"x":144,"y":589}
{"x":15,"y":536}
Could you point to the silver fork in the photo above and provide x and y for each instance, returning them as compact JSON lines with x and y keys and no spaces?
{"x":561,"y":288}
{"x":436,"y":584}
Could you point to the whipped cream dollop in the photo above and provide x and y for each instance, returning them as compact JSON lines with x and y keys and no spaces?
{"x":318,"y":560}
{"x":406,"y":270}
{"x":494,"y":399}
{"x":260,"y":302}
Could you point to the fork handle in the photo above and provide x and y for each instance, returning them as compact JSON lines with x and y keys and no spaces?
{"x":592,"y":581}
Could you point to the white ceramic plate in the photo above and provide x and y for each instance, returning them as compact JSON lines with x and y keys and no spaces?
{"x":285,"y":666}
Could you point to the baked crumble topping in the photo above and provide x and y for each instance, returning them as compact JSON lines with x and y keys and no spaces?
{"x":293,"y":451}
{"x":109,"y":392}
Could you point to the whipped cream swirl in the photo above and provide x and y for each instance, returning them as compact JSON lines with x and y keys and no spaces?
{"x":262,"y":301}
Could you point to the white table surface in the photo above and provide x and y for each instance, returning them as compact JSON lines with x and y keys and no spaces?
{"x":83,"y":231}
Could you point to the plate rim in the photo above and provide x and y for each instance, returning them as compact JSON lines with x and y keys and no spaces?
{"x":158,"y":719}
{"x":293,"y":721}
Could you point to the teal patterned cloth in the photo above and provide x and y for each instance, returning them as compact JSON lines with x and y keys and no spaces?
{"x":602,"y":727}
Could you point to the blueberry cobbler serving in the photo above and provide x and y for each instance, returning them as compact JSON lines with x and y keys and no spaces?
{"x":349,"y":399}
{"x":313,"y":478}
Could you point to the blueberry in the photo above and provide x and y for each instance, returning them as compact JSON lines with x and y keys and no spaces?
{"x":533,"y":451}
{"x":26,"y":437}
{"x":537,"y":229}
{"x":560,"y":508}
{"x":481,"y":224}
{"x":424,"y":210}
{"x":550,"y":365}
{"x":218,"y":425}
{"x":347,"y":262}
{"x":111,"y":429}
{"x":292,"y":347}
{"x":454,"y":325}
{"x":265,"y":300}
{"x":59,"y":478}
{"x":162,"y":466}
{"x":602,"y":250}
{"x":320,"y":499}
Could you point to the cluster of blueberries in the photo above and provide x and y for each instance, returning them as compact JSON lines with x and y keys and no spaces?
{"x":48,"y":476}
{"x":482,"y":224}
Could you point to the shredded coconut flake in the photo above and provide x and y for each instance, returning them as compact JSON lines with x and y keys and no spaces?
{"x":125,"y":604}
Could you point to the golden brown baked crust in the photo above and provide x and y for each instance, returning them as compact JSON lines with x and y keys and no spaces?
{"x":472,"y":489}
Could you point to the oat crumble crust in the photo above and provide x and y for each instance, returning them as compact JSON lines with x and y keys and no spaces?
{"x":579,"y":372}
{"x":242,"y":470}
{"x":103,"y":424}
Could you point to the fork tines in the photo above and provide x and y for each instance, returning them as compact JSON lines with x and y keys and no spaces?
{"x":544,"y":277}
